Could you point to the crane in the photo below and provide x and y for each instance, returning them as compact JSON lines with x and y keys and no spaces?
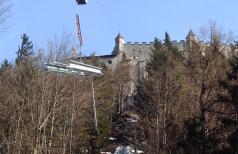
{"x":80,"y":2}
{"x":84,"y":2}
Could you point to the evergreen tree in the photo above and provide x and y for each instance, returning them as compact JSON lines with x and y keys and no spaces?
{"x":5,"y":65}
{"x":229,"y":97}
{"x":163,"y":54}
{"x":156,"y":57}
{"x":167,"y":41}
{"x":158,"y":95}
{"x":124,"y":58}
{"x":26,"y":48}
{"x":197,"y":140}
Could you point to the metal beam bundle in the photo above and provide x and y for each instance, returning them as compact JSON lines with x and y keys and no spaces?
{"x":74,"y":68}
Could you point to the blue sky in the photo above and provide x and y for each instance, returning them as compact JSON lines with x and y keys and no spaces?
{"x":102,"y":20}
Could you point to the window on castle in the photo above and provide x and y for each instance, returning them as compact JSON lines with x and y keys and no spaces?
{"x":109,"y":62}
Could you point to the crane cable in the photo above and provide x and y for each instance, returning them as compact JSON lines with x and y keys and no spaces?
{"x":112,"y":18}
{"x":108,"y":13}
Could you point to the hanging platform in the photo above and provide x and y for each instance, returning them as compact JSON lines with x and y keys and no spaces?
{"x":75,"y":68}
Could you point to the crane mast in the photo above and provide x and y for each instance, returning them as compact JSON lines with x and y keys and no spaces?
{"x":79,"y":33}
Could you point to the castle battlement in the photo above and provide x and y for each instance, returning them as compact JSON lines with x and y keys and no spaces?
{"x":151,"y":43}
{"x":138,"y":43}
{"x":142,"y":50}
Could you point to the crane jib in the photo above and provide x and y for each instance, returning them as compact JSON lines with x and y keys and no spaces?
{"x":81,"y":2}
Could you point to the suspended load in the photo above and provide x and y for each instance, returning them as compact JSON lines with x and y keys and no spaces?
{"x":82,"y":2}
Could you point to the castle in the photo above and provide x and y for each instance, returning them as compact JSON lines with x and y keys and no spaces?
{"x":138,"y":54}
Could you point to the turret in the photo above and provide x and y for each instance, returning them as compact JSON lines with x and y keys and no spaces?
{"x":191,"y":39}
{"x":119,"y":41}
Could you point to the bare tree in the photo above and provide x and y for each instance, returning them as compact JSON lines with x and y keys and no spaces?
{"x":5,"y":7}
{"x":158,"y":99}
{"x":206,"y":66}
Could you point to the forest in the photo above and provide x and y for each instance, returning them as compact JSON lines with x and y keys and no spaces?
{"x":188,"y":102}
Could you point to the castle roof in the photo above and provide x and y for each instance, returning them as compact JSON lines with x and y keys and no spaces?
{"x":191,"y":34}
{"x":119,"y":36}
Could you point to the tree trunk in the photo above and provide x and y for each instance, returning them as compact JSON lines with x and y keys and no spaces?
{"x":157,"y":133}
{"x":53,"y":116}
{"x":72,"y":117}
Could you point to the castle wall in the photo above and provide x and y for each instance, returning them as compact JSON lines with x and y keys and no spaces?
{"x":139,"y":53}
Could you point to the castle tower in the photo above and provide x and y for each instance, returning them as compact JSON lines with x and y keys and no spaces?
{"x":191,"y":39}
{"x":119,"y":41}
